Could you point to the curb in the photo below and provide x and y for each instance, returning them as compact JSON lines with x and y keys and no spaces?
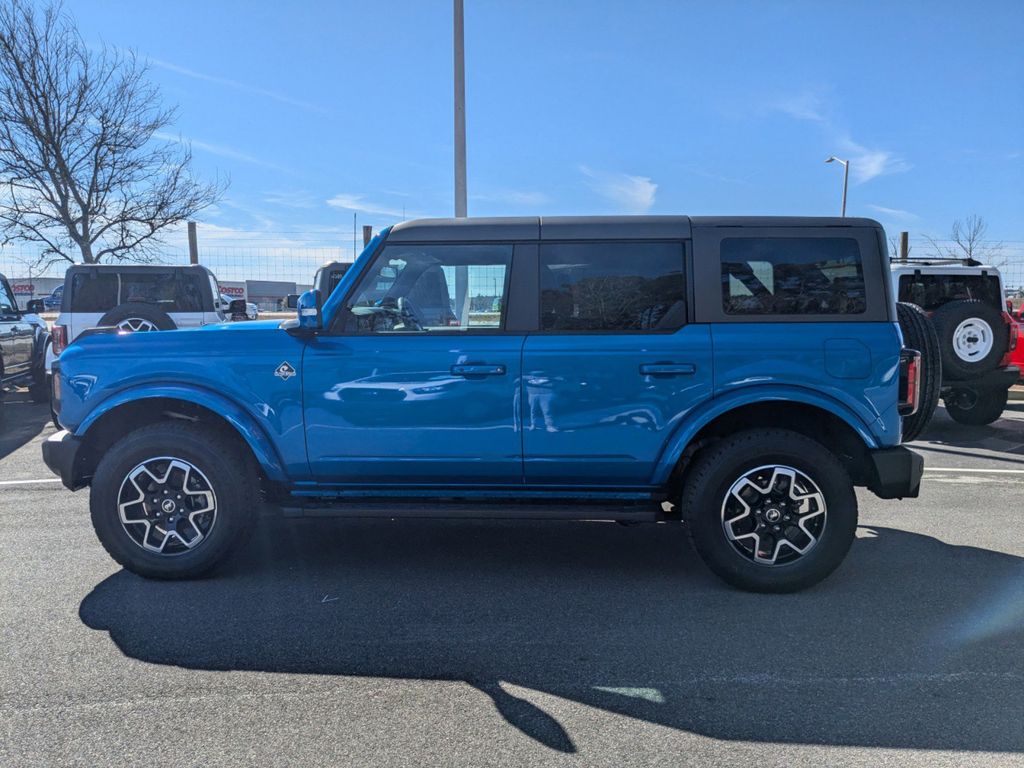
{"x":1017,"y":392}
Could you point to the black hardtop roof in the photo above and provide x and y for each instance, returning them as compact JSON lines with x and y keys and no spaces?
{"x":595,"y":227}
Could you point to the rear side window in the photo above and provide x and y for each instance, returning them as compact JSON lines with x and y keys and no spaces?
{"x":792,"y":276}
{"x":605,"y":286}
{"x":932,"y":291}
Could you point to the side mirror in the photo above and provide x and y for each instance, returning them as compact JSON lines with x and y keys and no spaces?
{"x":292,"y":301}
{"x":35,"y":306}
{"x":309,"y":311}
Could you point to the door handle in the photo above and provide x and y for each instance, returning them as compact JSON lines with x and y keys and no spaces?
{"x":478,"y":369}
{"x":667,"y":369}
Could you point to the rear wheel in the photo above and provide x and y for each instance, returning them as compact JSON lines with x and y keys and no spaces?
{"x":171,"y":501}
{"x":976,"y":407}
{"x":770,"y":510}
{"x":919,"y":333}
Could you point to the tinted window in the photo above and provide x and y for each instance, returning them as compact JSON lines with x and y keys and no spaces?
{"x":792,"y":276}
{"x":7,"y":302}
{"x":172,"y":291}
{"x":612,"y":287}
{"x":438,"y":288}
{"x":93,"y":291}
{"x":932,"y":291}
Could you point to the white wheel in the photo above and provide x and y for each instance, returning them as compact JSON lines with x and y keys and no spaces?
{"x":973,"y":340}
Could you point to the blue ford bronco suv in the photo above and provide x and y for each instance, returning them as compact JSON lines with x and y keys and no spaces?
{"x":739,"y":375}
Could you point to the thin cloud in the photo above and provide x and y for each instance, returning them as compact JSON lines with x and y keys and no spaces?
{"x":806,"y":105}
{"x":235,"y":85}
{"x":217,"y":149}
{"x":867,"y":163}
{"x":287,"y":199}
{"x":358,"y":203}
{"x":635,"y":194}
{"x":893,"y":213}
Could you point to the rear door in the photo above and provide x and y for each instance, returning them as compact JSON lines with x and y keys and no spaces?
{"x":418,"y":382}
{"x":615,"y":365}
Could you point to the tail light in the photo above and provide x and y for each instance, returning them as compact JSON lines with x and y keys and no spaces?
{"x":910,"y":382}
{"x":1014,"y":331}
{"x":59,"y":335}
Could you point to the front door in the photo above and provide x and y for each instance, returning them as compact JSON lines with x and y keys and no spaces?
{"x":416,"y":382}
{"x":16,"y":334}
{"x":614,"y":368}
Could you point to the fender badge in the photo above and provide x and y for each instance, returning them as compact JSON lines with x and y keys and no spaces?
{"x":285,"y":371}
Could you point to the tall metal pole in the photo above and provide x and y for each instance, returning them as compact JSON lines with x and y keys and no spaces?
{"x":460,"y":114}
{"x":846,"y":179}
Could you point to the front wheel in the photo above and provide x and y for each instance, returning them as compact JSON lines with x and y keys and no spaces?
{"x":976,"y":407}
{"x":172,"y":500}
{"x":770,"y":510}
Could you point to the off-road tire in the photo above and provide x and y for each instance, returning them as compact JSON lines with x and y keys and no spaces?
{"x":149,"y":312}
{"x":230,"y":474}
{"x":716,"y":469}
{"x":949,"y":317}
{"x":976,"y":407}
{"x":919,"y":333}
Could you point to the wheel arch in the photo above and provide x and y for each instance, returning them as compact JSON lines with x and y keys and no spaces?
{"x":130,"y":410}
{"x":819,"y":417}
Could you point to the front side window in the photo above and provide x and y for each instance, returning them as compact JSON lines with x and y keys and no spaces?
{"x":608,"y":286}
{"x":432,"y":288}
{"x":792,"y":276}
{"x":7,"y":303}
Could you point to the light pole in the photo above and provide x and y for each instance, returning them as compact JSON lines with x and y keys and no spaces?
{"x":846,"y":178}
{"x":460,"y":114}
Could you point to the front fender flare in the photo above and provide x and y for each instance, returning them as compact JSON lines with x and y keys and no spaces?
{"x":243,"y":422}
{"x":710,"y":410}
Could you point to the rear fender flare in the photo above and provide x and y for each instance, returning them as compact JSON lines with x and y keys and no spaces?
{"x":710,"y":410}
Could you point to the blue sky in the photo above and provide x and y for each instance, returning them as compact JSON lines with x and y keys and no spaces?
{"x":319,"y":109}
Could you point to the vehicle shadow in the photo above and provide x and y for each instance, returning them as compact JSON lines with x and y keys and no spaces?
{"x":22,"y":420}
{"x":1005,"y":435}
{"x":912,"y":643}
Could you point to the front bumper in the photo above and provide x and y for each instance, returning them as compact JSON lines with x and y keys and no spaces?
{"x":896,"y":473}
{"x":62,"y":454}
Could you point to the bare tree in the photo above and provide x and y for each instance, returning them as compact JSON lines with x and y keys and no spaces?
{"x":85,"y":167}
{"x":967,"y":241}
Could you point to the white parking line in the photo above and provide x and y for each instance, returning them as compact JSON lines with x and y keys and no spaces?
{"x":30,"y":482}
{"x":982,"y":471}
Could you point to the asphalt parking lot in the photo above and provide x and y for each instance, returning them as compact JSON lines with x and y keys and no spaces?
{"x":331,"y":642}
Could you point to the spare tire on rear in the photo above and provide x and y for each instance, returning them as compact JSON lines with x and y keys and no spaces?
{"x":919,"y":333}
{"x":973,"y":338}
{"x":137,"y":316}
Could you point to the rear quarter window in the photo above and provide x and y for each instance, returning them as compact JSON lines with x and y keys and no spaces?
{"x":792,"y":276}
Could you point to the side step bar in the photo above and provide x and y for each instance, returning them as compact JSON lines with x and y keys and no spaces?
{"x":476,"y":510}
